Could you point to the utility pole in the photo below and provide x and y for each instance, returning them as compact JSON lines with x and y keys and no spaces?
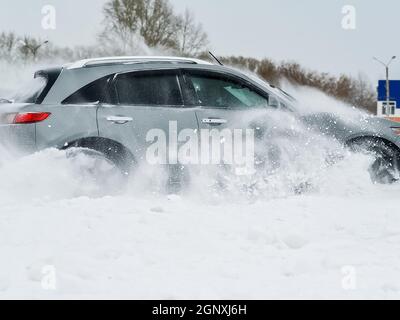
{"x":386,"y":65}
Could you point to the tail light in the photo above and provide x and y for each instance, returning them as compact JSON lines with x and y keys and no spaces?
{"x":28,"y":117}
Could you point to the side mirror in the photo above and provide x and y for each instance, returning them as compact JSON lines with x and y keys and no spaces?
{"x":273,"y":102}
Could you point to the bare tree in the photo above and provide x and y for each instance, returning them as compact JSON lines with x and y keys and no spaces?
{"x":357,"y":92}
{"x":8,"y":44}
{"x":29,"y":47}
{"x":344,"y":87}
{"x":363,"y":94}
{"x":122,"y":43}
{"x":124,"y":15}
{"x":192,"y":40}
{"x":122,"y":23}
{"x":127,"y":21}
{"x":159,"y":25}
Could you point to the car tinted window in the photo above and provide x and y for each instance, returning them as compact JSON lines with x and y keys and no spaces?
{"x":213,"y":90}
{"x":150,"y":88}
{"x":97,"y":91}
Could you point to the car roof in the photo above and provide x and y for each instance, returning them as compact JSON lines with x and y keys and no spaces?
{"x":76,"y":75}
{"x":96,"y":62}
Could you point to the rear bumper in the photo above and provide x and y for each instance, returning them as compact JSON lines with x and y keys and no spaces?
{"x":19,"y":138}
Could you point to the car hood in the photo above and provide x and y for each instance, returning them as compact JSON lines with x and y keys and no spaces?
{"x":384,"y":122}
{"x":346,"y":128}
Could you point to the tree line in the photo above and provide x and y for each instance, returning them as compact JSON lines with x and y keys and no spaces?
{"x":132,"y":27}
{"x":357,"y":92}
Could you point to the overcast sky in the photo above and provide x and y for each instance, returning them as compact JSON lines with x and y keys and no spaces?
{"x":308,"y":31}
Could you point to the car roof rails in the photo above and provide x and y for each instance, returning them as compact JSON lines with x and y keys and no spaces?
{"x":132,"y":60}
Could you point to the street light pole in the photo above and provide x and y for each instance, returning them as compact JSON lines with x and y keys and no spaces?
{"x":387,"y":91}
{"x":386,"y":65}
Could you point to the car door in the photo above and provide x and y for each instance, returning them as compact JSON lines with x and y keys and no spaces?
{"x":149,"y":104}
{"x":225,"y":102}
{"x":221,"y":99}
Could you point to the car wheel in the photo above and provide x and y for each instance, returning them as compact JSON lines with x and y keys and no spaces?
{"x":98,"y":169}
{"x":385,"y":167}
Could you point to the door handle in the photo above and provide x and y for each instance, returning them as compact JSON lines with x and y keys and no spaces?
{"x":119,"y":119}
{"x":214,"y":121}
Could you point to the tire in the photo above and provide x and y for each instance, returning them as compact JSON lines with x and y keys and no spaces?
{"x":98,"y":169}
{"x":386,"y":165}
{"x":112,"y":151}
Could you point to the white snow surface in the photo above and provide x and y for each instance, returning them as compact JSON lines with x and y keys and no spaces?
{"x":197,"y":245}
{"x":340,"y":238}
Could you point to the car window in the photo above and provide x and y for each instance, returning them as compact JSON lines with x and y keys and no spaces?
{"x":213,"y":90}
{"x":95,"y":92}
{"x":159,"y":88}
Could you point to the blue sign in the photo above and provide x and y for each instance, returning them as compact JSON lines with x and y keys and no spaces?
{"x":394,"y":86}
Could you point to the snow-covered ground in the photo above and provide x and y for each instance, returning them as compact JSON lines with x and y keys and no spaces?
{"x":144,"y":246}
{"x":339,"y":240}
{"x":60,"y":237}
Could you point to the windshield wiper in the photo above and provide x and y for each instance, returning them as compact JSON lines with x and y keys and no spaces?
{"x":3,"y":100}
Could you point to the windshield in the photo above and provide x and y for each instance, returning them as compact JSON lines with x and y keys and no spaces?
{"x":266,"y":85}
{"x":28,"y":92}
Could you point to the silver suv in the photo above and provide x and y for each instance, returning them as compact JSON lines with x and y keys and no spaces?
{"x":109,"y":104}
